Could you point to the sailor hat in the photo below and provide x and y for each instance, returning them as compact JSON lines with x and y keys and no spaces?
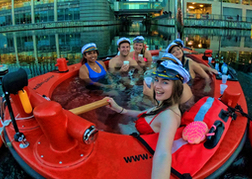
{"x":169,"y":56}
{"x":88,"y":47}
{"x":170,"y":46}
{"x":179,"y":42}
{"x":123,"y":39}
{"x":138,"y":39}
{"x":171,"y":71}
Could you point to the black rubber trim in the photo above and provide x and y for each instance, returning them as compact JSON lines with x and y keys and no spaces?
{"x":21,"y":162}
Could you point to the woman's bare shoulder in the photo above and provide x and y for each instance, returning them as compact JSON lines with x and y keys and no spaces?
{"x":171,"y":112}
{"x":83,"y":67}
{"x":147,"y":52}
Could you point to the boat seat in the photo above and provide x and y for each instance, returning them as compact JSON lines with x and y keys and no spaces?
{"x":15,"y":81}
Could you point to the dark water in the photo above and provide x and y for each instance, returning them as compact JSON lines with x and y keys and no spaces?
{"x":128,"y":93}
{"x":156,"y":38}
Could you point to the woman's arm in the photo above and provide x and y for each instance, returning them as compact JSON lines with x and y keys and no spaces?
{"x":208,"y":69}
{"x":135,"y":64}
{"x":115,"y":107}
{"x":83,"y":74}
{"x":148,"y":56}
{"x":169,"y":122}
{"x":199,"y":70}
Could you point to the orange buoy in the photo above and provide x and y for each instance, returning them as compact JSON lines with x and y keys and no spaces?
{"x":25,"y":101}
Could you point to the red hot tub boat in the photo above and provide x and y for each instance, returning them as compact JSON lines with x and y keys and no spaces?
{"x":51,"y":142}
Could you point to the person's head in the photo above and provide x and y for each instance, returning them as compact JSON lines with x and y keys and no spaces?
{"x":89,"y":53}
{"x":123,"y":46}
{"x":168,"y":83}
{"x":138,"y":44}
{"x":175,"y":50}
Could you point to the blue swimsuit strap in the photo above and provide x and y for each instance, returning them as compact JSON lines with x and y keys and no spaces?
{"x":89,"y":68}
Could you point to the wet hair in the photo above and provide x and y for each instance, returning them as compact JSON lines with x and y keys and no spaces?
{"x":143,"y":50}
{"x":177,"y":90}
{"x":183,"y":59}
{"x":84,"y":60}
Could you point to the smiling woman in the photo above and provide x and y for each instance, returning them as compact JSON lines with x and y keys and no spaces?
{"x":164,"y":118}
{"x":92,"y":71}
{"x":140,"y":54}
{"x":192,"y":67}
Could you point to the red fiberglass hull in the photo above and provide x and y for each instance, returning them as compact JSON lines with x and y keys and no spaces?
{"x":56,"y":149}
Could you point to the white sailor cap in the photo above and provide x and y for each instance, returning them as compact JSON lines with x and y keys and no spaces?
{"x":138,"y":39}
{"x":179,"y":42}
{"x":88,"y":47}
{"x":123,"y":39}
{"x":170,"y":46}
{"x":169,"y":70}
{"x":169,"y":56}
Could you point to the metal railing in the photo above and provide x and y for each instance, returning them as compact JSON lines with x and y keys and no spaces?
{"x":207,"y":20}
{"x":128,"y":5}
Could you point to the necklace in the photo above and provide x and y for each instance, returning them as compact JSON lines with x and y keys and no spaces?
{"x":94,"y":67}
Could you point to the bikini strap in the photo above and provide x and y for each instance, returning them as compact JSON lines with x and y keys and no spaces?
{"x":175,"y":112}
{"x":101,"y":67}
{"x":133,"y":55}
{"x":154,"y":117}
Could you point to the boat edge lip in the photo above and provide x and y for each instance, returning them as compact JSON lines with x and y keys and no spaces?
{"x":230,"y":160}
{"x":21,"y":162}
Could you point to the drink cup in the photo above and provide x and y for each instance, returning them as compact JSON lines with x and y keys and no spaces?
{"x":210,"y":59}
{"x":224,"y":78}
{"x":140,"y":57}
{"x":126,"y":62}
{"x":222,"y":88}
{"x":148,"y":81}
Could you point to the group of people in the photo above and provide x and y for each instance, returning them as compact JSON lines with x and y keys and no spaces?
{"x":170,"y":91}
{"x":92,"y":70}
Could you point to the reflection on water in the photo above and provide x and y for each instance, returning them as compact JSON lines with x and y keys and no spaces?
{"x":33,"y":69}
{"x":48,"y":45}
{"x":45,"y":46}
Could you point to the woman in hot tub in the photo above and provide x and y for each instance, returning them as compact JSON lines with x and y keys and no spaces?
{"x":92,"y":71}
{"x":164,"y":118}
